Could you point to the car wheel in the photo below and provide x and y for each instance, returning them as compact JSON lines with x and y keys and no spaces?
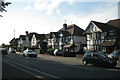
{"x":23,"y":55}
{"x":63,"y":55}
{"x":35,"y":56}
{"x":85,"y":63}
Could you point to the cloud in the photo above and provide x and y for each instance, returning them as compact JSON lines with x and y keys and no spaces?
{"x":27,"y":8}
{"x":109,"y":11}
{"x":71,"y":2}
{"x":20,"y":22}
{"x":48,"y":5}
{"x":58,"y":12}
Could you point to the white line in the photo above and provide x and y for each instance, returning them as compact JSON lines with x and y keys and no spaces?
{"x":34,"y":69}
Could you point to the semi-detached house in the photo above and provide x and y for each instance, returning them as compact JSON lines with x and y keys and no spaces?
{"x":102,"y":36}
{"x":66,"y":37}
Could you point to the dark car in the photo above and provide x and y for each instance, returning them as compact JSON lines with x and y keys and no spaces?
{"x":3,"y":51}
{"x":97,"y":58}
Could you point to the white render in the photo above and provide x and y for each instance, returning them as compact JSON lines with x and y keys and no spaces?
{"x":24,"y":43}
{"x":33,"y":41}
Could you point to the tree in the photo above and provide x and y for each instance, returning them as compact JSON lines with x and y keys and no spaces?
{"x":3,"y":6}
{"x":43,"y":47}
{"x":3,"y":45}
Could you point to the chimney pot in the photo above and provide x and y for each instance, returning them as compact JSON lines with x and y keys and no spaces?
{"x":65,"y":26}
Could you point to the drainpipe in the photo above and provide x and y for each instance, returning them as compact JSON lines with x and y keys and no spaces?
{"x":73,"y":43}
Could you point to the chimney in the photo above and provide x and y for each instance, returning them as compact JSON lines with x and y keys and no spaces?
{"x":65,"y":26}
{"x":26,"y":33}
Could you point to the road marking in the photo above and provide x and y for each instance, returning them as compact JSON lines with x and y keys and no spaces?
{"x":33,"y":69}
{"x":23,"y":70}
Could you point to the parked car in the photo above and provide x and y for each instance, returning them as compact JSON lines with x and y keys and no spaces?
{"x":58,"y":52}
{"x":3,"y":51}
{"x":98,"y":58}
{"x":30,"y":53}
{"x":11,"y":50}
{"x":114,"y":55}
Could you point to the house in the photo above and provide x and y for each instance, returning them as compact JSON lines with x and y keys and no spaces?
{"x":24,"y":40}
{"x":14,"y":42}
{"x":69,"y":36}
{"x":37,"y":38}
{"x":54,"y":40}
{"x":48,"y":39}
{"x":101,"y":36}
{"x":115,"y":22}
{"x":112,"y":40}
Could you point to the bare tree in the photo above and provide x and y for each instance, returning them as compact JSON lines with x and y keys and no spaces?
{"x":3,"y":5}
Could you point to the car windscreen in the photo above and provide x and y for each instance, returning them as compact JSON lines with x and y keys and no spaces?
{"x":103,"y":56}
{"x":115,"y":52}
{"x":30,"y":51}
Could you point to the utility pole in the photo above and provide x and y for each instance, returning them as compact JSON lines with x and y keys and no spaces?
{"x":71,"y":21}
{"x":14,"y":33}
{"x":65,"y":21}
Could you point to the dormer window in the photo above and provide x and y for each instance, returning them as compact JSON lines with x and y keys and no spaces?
{"x":112,"y":32}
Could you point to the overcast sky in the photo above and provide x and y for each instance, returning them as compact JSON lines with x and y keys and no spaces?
{"x":44,"y":16}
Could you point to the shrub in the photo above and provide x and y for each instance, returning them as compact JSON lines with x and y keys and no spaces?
{"x":37,"y":50}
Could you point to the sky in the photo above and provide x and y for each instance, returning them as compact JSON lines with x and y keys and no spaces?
{"x":44,"y":16}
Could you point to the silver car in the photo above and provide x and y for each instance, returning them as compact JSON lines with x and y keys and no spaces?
{"x":11,"y":50}
{"x":114,"y":55}
{"x":30,"y":53}
{"x":58,"y":52}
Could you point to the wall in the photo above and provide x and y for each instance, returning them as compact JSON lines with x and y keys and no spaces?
{"x":78,"y":39}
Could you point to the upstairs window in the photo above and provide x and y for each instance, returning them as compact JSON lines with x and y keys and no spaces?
{"x":112,"y":32}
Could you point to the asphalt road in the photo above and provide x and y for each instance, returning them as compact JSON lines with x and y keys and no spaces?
{"x":15,"y":66}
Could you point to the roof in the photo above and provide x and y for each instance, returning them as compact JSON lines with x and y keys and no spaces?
{"x":56,"y":34}
{"x":115,"y":22}
{"x":30,"y":35}
{"x":108,"y":43}
{"x":104,"y":26}
{"x":40,"y":36}
{"x":14,"y":41}
{"x":73,"y":30}
{"x":47,"y":35}
{"x":65,"y":33}
{"x":23,"y":37}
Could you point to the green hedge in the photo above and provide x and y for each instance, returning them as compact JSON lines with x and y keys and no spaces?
{"x":37,"y":50}
{"x":50,"y":49}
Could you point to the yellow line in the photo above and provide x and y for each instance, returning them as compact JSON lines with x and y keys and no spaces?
{"x":37,"y":76}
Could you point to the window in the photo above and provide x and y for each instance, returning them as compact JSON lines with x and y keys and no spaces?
{"x":112,"y":32}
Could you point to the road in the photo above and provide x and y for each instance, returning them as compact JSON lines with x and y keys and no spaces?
{"x":52,"y":67}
